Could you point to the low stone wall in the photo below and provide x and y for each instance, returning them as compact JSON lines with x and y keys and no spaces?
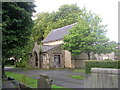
{"x":103,"y":78}
{"x":78,"y":64}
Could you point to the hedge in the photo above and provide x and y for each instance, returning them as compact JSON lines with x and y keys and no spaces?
{"x":101,"y":64}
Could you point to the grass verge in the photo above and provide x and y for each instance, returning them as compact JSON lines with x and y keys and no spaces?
{"x":77,"y":77}
{"x":27,"y":80}
{"x":23,"y":79}
{"x":79,"y":70}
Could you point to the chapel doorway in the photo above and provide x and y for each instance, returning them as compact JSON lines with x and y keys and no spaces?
{"x":57,"y":61}
{"x":36,"y":58}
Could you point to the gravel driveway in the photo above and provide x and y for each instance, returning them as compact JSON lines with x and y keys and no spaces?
{"x":60,"y":77}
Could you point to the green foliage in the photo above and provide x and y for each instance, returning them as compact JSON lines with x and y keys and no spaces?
{"x":45,"y":22}
{"x":26,"y":50}
{"x":59,"y":87}
{"x":9,"y":62}
{"x":22,"y":64}
{"x":77,"y":77}
{"x":55,"y":86}
{"x":101,"y":64}
{"x":88,"y":35}
{"x":79,"y":70}
{"x":24,"y":79}
{"x":16,"y":27}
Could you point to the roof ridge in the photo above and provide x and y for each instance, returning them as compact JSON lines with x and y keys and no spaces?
{"x":63,"y":26}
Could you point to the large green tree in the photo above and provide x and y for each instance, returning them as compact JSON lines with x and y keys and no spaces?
{"x":41,"y":24}
{"x":88,"y":36}
{"x":45,"y":21}
{"x":16,"y":27}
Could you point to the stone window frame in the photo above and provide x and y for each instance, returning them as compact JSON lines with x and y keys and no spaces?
{"x":61,"y":57}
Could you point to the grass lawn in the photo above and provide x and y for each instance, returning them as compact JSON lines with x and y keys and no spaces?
{"x":26,"y":80}
{"x":9,"y":65}
{"x":77,"y":77}
{"x":23,"y":79}
{"x":79,"y":70}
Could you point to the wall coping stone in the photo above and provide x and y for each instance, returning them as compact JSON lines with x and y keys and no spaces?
{"x":105,"y":70}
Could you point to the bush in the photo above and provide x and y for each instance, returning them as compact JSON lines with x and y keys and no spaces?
{"x":9,"y":62}
{"x":21,"y":64}
{"x":101,"y":64}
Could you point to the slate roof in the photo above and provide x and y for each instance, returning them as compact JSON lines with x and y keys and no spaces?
{"x":58,"y":34}
{"x":46,"y":48}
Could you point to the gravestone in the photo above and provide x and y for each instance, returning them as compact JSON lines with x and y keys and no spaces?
{"x":44,"y":82}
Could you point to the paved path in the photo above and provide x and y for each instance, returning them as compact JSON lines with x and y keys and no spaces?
{"x":59,"y":77}
{"x":9,"y":67}
{"x":7,"y":84}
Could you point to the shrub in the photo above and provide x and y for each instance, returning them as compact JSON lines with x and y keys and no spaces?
{"x":9,"y":62}
{"x":21,"y":64}
{"x":101,"y":64}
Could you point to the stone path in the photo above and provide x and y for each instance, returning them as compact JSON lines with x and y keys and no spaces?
{"x":59,"y":77}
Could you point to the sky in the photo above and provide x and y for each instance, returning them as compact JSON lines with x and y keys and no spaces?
{"x":105,"y":9}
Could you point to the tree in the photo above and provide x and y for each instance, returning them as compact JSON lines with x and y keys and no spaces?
{"x":41,"y":24}
{"x":16,"y":27}
{"x":88,"y":36}
{"x":45,"y":22}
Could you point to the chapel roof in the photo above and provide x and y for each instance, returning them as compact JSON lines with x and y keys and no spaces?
{"x":58,"y":34}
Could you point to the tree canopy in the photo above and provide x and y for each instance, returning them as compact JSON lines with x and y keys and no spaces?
{"x":45,"y":21}
{"x":16,"y":27}
{"x":88,"y":36}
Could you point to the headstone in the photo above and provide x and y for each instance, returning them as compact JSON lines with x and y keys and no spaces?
{"x":44,"y":82}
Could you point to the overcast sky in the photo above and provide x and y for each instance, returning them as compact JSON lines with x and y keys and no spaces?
{"x":106,"y":9}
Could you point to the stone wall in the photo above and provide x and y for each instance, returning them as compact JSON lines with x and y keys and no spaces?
{"x":68,"y":59}
{"x":83,"y":56}
{"x":103,"y":78}
{"x":56,"y":51}
{"x":79,"y":63}
{"x":35,"y":53}
{"x":45,"y":61}
{"x":79,"y":60}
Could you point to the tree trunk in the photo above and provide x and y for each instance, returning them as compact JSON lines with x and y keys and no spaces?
{"x":3,"y":71}
{"x":88,"y":56}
